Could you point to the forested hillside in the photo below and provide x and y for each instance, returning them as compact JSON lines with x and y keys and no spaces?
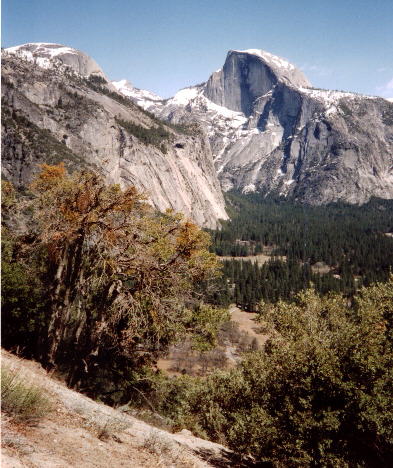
{"x":337,"y":247}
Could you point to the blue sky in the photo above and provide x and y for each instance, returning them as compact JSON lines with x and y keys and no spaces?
{"x":164,"y":45}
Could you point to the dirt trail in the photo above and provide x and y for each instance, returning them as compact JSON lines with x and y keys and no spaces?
{"x":68,"y":436}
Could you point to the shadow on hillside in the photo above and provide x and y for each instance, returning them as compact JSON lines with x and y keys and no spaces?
{"x":225,"y":459}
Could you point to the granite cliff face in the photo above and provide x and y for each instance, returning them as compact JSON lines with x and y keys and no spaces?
{"x":246,"y":76}
{"x":271,"y":132}
{"x":58,"y":106}
{"x":267,"y":129}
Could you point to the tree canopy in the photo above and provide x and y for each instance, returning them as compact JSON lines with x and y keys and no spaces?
{"x":119,"y":276}
{"x":337,"y":247}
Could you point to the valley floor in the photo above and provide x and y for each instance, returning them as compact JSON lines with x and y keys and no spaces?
{"x":183,"y":359}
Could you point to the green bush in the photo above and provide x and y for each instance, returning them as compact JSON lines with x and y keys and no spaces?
{"x":320,"y":394}
{"x":23,"y":401}
{"x":23,"y":297}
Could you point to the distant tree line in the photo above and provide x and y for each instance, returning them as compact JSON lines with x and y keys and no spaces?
{"x":155,"y":136}
{"x":352,"y":242}
{"x":246,"y":283}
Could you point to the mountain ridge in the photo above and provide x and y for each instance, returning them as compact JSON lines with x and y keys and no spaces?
{"x":270,"y":131}
{"x":51,"y":111}
{"x":267,"y":129}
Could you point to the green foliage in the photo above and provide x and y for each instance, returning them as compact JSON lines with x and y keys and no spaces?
{"x":148,"y":136}
{"x":96,"y":79}
{"x":204,"y":322}
{"x":350,"y":240}
{"x":23,"y":301}
{"x":23,"y":401}
{"x":39,"y":143}
{"x":319,"y":394}
{"x":23,"y":290}
{"x":96,"y":84}
{"x":274,"y":280}
{"x":191,"y":129}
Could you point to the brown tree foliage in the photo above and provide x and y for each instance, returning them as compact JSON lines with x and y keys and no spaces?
{"x":120,"y":274}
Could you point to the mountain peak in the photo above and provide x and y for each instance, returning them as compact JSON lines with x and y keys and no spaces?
{"x":123,"y":84}
{"x":142,"y":97}
{"x":275,"y":60}
{"x":248,"y":75}
{"x":281,"y":67}
{"x":46,"y":55}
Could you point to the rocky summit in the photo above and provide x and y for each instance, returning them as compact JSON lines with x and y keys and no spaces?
{"x":58,"y":105}
{"x":270,"y":131}
{"x":256,"y":124}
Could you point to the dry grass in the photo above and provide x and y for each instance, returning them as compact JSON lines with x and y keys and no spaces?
{"x":167,"y":451}
{"x":22,"y":401}
{"x":108,"y":428}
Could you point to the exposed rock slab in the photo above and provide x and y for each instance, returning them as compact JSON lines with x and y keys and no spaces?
{"x":70,"y":434}
{"x":56,"y":111}
{"x":271,"y":132}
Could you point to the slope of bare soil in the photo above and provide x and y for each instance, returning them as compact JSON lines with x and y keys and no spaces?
{"x":80,"y":432}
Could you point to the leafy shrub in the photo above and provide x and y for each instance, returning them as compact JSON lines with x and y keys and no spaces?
{"x":319,"y":394}
{"x":23,"y":296}
{"x":23,"y":401}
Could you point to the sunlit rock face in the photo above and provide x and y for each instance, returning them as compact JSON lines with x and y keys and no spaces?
{"x":271,"y":132}
{"x":248,"y":75}
{"x":53,"y":110}
{"x":261,"y":122}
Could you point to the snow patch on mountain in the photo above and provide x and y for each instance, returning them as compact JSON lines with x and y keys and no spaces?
{"x":278,"y":62}
{"x":183,"y":97}
{"x":48,"y":55}
{"x":32,"y":49}
{"x":143,"y":98}
{"x":331,"y":98}
{"x":193,"y":98}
